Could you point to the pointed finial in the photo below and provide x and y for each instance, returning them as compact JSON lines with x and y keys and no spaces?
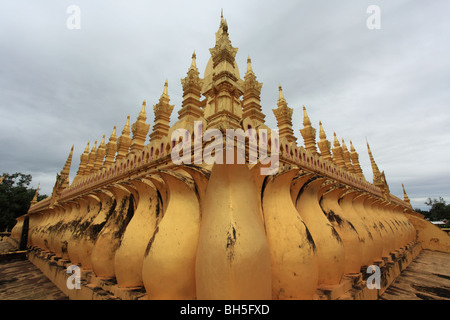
{"x":306,"y":120}
{"x":66,"y":169}
{"x":165,"y":91}
{"x":194,"y":57}
{"x":113,"y":134}
{"x":142,"y":114}
{"x":221,"y":13}
{"x":336,"y":141}
{"x":343,"y":144}
{"x":34,"y":200}
{"x":405,"y":196}
{"x":352,"y":148}
{"x":249,"y":64}
{"x":322,"y":134}
{"x":280,"y":92}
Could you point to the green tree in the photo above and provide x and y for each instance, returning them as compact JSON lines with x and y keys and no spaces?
{"x":439,"y":210}
{"x":15,"y":198}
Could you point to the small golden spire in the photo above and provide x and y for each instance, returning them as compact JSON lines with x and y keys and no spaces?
{"x":165,"y":91}
{"x":355,"y":161}
{"x":336,"y":141}
{"x":34,"y":200}
{"x":405,"y":196}
{"x":94,"y":148}
{"x":280,"y":94}
{"x":126,"y":128}
{"x":306,"y":121}
{"x":338,"y":156}
{"x":124,"y":141}
{"x":283,"y":114}
{"x":352,"y":148}
{"x":347,"y":157}
{"x":322,"y":134}
{"x":84,"y":158}
{"x":377,"y":175}
{"x":193,"y":63}
{"x":308,"y":133}
{"x":113,"y":134}
{"x":86,"y":150}
{"x":249,"y":64}
{"x":140,"y":130}
{"x":66,"y":169}
{"x":102,"y":143}
{"x":324,"y":145}
{"x":142,"y":115}
{"x":162,"y":111}
{"x":110,"y":149}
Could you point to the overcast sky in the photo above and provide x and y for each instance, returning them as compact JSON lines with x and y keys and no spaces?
{"x":62,"y":87}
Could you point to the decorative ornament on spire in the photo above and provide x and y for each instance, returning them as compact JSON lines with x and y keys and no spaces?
{"x":379,"y":178}
{"x":34,"y":200}
{"x":355,"y":161}
{"x":308,"y":133}
{"x":162,"y":111}
{"x":64,"y":175}
{"x":124,"y":141}
{"x":324,"y":144}
{"x":405,"y":196}
{"x":140,"y":129}
{"x":111,"y":149}
{"x":376,"y":172}
{"x":347,"y":158}
{"x":100,"y":155}
{"x":338,"y":156}
{"x":84,"y":158}
{"x":192,"y":84}
{"x":251,"y":107}
{"x":283,"y":114}
{"x":223,"y":85}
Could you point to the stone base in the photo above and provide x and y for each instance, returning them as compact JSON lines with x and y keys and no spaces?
{"x":352,"y":286}
{"x":91,"y":288}
{"x":390,"y":268}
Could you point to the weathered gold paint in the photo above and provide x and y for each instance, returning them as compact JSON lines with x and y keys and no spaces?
{"x":330,"y":249}
{"x":345,"y":229}
{"x":168,"y":269}
{"x":130,"y":255}
{"x":233,"y":260}
{"x":293,"y":253}
{"x":109,"y":238}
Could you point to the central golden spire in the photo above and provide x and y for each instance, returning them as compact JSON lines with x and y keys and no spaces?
{"x":223,"y":86}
